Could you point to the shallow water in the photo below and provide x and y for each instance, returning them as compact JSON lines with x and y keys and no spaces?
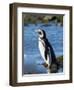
{"x":32,"y":58}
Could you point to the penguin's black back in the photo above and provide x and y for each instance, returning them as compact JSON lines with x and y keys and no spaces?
{"x":48,"y":45}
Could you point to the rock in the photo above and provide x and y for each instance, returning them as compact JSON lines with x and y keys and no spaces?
{"x":53,"y":68}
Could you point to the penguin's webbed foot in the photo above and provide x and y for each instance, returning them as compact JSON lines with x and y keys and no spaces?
{"x":45,"y":65}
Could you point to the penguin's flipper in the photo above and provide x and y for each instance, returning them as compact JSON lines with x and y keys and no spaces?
{"x":46,"y":54}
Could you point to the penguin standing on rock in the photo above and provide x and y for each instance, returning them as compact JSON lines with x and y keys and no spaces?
{"x":47,"y":52}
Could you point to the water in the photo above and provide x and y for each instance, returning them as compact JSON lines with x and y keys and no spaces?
{"x":32,"y":57}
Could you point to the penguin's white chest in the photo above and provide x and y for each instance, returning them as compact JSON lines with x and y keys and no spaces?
{"x":42,"y":49}
{"x":42,"y":52}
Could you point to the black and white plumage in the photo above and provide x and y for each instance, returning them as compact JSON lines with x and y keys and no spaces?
{"x":47,"y":52}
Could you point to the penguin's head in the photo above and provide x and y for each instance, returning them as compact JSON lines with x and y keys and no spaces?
{"x":41,"y":33}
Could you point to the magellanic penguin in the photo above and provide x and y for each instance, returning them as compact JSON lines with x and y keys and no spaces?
{"x":47,"y":52}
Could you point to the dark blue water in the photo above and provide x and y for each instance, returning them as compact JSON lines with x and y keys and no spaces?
{"x":32,"y":58}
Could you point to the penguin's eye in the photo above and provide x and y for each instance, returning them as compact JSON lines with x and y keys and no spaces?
{"x":39,"y":32}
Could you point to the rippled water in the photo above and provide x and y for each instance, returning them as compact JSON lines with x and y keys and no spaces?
{"x":32,"y":58}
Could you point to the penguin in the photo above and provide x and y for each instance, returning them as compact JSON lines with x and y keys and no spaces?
{"x":47,"y":52}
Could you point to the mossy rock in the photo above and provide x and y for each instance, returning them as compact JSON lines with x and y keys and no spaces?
{"x":60,"y":61}
{"x":42,"y":19}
